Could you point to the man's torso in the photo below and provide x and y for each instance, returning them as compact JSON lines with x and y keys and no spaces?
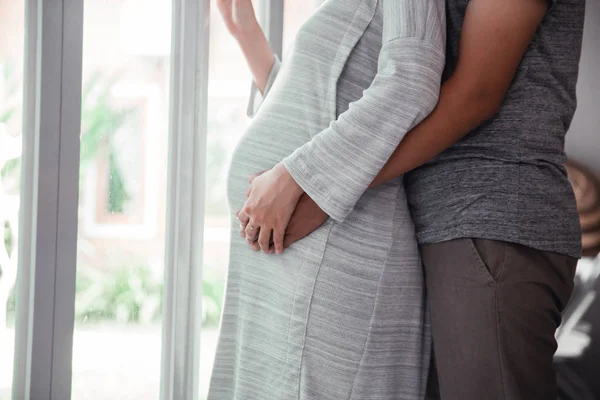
{"x":505,"y":180}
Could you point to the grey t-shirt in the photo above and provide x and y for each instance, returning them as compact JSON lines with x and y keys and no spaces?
{"x":506,"y":180}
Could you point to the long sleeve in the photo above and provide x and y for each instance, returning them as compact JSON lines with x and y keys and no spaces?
{"x":337,"y":166}
{"x":256,"y":98}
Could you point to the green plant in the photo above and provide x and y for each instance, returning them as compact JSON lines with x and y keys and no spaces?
{"x":100,"y":120}
{"x":129,"y":294}
{"x":10,"y":97}
{"x":135,"y":295}
{"x":213,"y":291}
{"x":10,"y":167}
{"x":117,"y":191}
{"x":125,"y":294}
{"x":11,"y":90}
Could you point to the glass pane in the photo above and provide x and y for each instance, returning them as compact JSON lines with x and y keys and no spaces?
{"x":12,"y":35}
{"x":125,"y":122}
{"x":228,"y":90}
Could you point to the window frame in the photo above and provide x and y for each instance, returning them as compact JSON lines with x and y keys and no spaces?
{"x":49,"y":200}
{"x":48,"y":220}
{"x":182,"y":312}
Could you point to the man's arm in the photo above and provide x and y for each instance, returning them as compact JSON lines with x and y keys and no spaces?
{"x":494,"y":38}
{"x":404,"y":91}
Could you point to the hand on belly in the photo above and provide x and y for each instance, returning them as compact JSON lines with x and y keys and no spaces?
{"x":272,"y":198}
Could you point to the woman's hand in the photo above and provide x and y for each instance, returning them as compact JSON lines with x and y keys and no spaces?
{"x":307,"y":217}
{"x":272,"y":198}
{"x":239,"y":16}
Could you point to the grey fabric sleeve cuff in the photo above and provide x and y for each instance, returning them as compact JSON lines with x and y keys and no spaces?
{"x":256,"y":98}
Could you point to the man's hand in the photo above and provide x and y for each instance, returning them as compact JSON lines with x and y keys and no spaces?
{"x":272,"y":198}
{"x":307,"y":217}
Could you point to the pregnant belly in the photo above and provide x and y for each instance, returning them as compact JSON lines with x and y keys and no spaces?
{"x":269,"y":139}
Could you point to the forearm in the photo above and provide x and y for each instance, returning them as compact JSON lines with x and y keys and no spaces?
{"x":258,"y":54}
{"x":409,"y":71}
{"x":494,"y":38}
{"x":371,"y":129}
{"x":459,"y":110}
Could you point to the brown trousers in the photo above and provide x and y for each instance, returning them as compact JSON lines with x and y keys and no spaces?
{"x":495,"y":308}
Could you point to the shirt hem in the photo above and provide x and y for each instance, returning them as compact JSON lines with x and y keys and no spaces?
{"x":568,"y":248}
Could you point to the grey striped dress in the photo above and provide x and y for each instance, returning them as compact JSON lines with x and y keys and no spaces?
{"x":341,"y":314}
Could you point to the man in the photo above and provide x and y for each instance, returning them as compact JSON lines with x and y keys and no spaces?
{"x":495,"y":214}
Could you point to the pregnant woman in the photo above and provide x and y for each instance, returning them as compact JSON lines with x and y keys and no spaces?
{"x":340,"y":314}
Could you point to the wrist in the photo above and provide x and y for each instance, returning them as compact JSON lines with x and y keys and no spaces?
{"x":290,"y":182}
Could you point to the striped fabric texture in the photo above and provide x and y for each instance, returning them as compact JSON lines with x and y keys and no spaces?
{"x":341,"y":314}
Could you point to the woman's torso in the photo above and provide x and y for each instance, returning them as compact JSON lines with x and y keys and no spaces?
{"x":303,"y":100}
{"x":282,"y":313}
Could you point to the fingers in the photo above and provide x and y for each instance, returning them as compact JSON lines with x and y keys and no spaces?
{"x":243,"y":217}
{"x":251,"y":232}
{"x":242,"y":225}
{"x":255,"y":247}
{"x":248,"y":229}
{"x":278,"y":236}
{"x":264,"y":238}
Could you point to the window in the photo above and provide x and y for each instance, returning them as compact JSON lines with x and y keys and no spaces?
{"x":122,"y":174}
{"x":11,"y":100}
{"x":123,"y":185}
